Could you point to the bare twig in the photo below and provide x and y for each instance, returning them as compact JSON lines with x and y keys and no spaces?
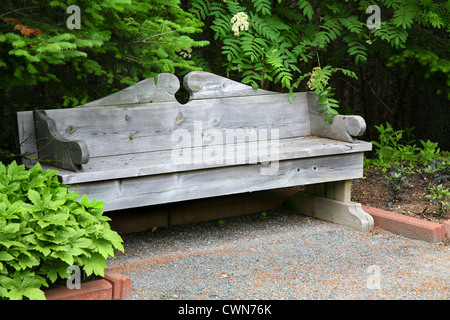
{"x":21,"y":9}
{"x":379,"y":99}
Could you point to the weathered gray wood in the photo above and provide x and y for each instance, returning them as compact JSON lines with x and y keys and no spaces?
{"x":146,"y":91}
{"x":133,"y":146}
{"x":339,"y":190}
{"x":344,"y":128}
{"x":27,"y":137}
{"x":331,"y":201}
{"x":146,"y":127}
{"x":187,"y":185}
{"x":345,"y":213}
{"x":149,"y":127}
{"x":205,"y":85}
{"x":55,"y":150}
{"x":144,"y":164}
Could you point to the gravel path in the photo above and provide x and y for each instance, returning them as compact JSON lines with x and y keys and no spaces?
{"x":281,"y":256}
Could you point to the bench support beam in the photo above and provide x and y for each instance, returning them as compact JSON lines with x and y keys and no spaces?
{"x":331,"y":202}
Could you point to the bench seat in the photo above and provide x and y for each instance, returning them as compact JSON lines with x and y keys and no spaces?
{"x":160,"y":162}
{"x":141,"y":146}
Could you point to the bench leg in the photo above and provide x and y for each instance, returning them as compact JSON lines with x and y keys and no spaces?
{"x":331,"y":202}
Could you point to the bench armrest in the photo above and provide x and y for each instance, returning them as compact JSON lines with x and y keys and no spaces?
{"x":56,"y":150}
{"x":343,"y":128}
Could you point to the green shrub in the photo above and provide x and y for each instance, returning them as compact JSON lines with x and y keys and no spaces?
{"x":44,"y":229}
{"x":393,"y":148}
{"x":439,"y":195}
{"x":118,"y":44}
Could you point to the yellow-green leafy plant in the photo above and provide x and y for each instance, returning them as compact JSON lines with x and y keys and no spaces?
{"x":44,"y":229}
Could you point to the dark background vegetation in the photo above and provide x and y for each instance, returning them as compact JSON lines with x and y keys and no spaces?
{"x":45,"y":65}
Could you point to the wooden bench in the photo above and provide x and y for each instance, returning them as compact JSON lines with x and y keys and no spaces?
{"x":141,"y":147}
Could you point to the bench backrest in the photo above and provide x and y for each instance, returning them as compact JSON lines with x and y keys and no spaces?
{"x":144,"y":117}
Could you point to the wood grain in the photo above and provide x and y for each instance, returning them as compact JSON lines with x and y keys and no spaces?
{"x":187,"y":185}
{"x":161,"y":89}
{"x":141,"y":147}
{"x":54,"y":149}
{"x":148,"y":127}
{"x":205,"y":85}
{"x":158,"y":162}
{"x":343,"y":128}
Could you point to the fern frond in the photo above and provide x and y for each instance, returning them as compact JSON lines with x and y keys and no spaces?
{"x":306,"y":8}
{"x":263,"y":6}
{"x":253,"y":47}
{"x":404,"y":16}
{"x":268,"y":27}
{"x":352,"y":24}
{"x":356,"y":48}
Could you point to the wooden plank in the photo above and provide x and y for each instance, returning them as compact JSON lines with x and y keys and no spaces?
{"x":141,"y":164}
{"x":345,"y":213}
{"x":205,"y":85}
{"x":331,"y":202}
{"x":173,"y":187}
{"x":339,"y":190}
{"x":137,"y":127}
{"x":55,"y":150}
{"x":27,"y":137}
{"x":343,"y":128}
{"x":161,"y":90}
{"x":149,"y":127}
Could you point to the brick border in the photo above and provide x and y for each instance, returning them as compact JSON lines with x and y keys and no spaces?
{"x":121,"y":285}
{"x":113,"y":286}
{"x":409,"y":227}
{"x":93,"y":290}
{"x":446,"y":225}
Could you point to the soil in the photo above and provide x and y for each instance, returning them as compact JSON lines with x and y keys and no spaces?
{"x":372,"y":190}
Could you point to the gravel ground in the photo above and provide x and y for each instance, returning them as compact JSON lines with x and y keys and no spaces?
{"x":282,"y":256}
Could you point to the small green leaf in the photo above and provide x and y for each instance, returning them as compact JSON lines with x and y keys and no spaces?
{"x":84,"y":200}
{"x":35,"y":198}
{"x":96,"y":264}
{"x":67,"y":257}
{"x":29,"y":287}
{"x":82,"y":243}
{"x":103,"y":247}
{"x":95,"y":204}
{"x":5,"y":256}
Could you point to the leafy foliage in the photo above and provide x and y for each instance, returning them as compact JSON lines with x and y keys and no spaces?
{"x":287,"y":40}
{"x":44,"y":229}
{"x":45,"y":65}
{"x":394,"y":148}
{"x":441,"y":196}
{"x":120,"y":42}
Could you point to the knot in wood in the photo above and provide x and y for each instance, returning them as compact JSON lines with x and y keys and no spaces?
{"x":215,"y":121}
{"x":180,"y":118}
{"x":70,"y":129}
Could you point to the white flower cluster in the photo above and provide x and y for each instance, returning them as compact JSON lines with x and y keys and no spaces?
{"x":240,"y":23}
{"x":186,"y":54}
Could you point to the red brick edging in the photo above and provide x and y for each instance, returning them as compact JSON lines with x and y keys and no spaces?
{"x":113,"y":286}
{"x":409,"y":226}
